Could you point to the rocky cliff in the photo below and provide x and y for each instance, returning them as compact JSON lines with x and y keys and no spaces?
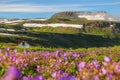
{"x":101,"y":15}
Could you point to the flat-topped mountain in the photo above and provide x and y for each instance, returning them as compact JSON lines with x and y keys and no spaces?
{"x":100,"y":15}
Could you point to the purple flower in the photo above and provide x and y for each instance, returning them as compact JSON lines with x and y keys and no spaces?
{"x":71,"y":78}
{"x":95,"y":63}
{"x":95,"y":78}
{"x":38,"y":78}
{"x":7,"y":49}
{"x":109,"y":76}
{"x":60,"y":71}
{"x":74,"y":55}
{"x":41,"y":77}
{"x":104,"y":71}
{"x":65,"y":74}
{"x":104,"y":63}
{"x":66,"y":78}
{"x":39,"y":68}
{"x":87,"y":66}
{"x":25,"y":78}
{"x":12,"y":58}
{"x":6,"y":53}
{"x":46,"y":54}
{"x":35,"y":59}
{"x":107,"y":58}
{"x":53,"y":64}
{"x":59,"y":78}
{"x":81,"y":65}
{"x":54,"y":74}
{"x":15,"y":50}
{"x":57,"y":53}
{"x":24,"y":51}
{"x":65,"y":58}
{"x":65,"y":54}
{"x":17,"y":61}
{"x":117,"y":69}
{"x":26,"y":64}
{"x":13,"y":72}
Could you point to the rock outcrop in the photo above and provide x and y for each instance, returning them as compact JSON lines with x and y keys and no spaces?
{"x":101,"y":15}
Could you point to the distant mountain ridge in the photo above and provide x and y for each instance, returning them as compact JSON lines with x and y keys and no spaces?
{"x":100,"y":15}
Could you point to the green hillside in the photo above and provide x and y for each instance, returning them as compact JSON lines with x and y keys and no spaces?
{"x":65,"y":37}
{"x":94,"y":34}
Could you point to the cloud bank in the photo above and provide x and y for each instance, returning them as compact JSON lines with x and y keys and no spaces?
{"x":9,"y":7}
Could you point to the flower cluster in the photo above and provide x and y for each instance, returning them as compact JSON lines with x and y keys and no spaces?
{"x":56,"y":65}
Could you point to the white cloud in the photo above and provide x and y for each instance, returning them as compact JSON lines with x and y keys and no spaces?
{"x":8,"y":1}
{"x":39,"y":8}
{"x":8,"y":7}
{"x":97,"y":4}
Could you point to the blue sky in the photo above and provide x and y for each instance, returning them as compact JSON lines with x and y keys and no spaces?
{"x":46,"y":8}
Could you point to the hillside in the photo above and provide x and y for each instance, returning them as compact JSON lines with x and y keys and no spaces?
{"x":95,"y":33}
{"x":64,"y":37}
{"x":82,"y":15}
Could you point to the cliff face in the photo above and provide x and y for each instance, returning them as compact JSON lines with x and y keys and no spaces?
{"x":66,"y":15}
{"x":101,"y":15}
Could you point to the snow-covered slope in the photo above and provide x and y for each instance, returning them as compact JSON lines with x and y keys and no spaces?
{"x":95,"y":16}
{"x":52,"y":25}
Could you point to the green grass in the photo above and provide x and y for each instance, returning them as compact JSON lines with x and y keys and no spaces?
{"x":62,"y":40}
{"x":61,"y":37}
